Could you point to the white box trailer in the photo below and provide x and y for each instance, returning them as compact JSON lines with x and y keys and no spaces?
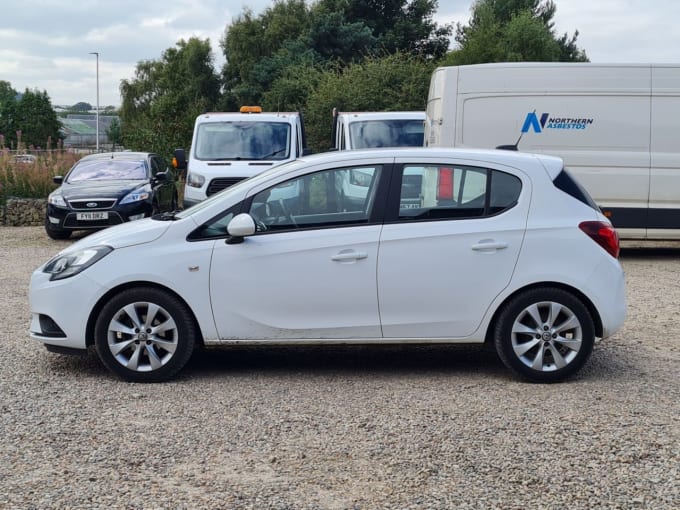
{"x":616,"y":126}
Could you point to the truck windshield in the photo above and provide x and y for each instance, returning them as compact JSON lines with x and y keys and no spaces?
{"x":243,"y":140}
{"x":386,"y":133}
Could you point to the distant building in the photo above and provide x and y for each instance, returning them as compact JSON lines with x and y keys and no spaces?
{"x":80,"y":130}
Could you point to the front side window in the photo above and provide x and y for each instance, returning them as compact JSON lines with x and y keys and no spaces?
{"x":447,"y":192}
{"x":224,"y":141}
{"x":337,"y":197}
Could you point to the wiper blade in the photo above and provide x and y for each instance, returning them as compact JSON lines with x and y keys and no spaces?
{"x":271,"y":154}
{"x":166,"y":216}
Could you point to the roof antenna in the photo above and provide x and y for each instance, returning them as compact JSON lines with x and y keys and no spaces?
{"x":514,"y":147}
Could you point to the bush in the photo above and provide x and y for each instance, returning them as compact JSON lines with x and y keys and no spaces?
{"x":22,"y":178}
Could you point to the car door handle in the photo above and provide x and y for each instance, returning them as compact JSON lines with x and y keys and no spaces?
{"x":489,"y":245}
{"x":349,"y":255}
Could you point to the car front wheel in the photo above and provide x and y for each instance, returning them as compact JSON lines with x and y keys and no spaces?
{"x":145,"y":335}
{"x":544,"y":335}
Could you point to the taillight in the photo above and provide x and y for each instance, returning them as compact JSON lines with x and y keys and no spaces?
{"x":603,"y":234}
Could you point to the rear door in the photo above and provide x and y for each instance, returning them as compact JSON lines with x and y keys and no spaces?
{"x":453,"y":233}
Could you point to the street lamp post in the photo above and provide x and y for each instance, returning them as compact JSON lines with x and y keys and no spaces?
{"x":96,"y":54}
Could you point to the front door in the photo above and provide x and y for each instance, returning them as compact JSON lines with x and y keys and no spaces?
{"x":309,"y":271}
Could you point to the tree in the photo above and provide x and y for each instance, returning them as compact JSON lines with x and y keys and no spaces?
{"x":405,"y":26}
{"x":160,"y":104}
{"x":259,"y":49}
{"x":37,"y":120}
{"x":114,"y":133}
{"x":394,"y":82}
{"x":81,"y":107}
{"x":251,"y":44}
{"x":513,"y":30}
{"x":7,"y":111}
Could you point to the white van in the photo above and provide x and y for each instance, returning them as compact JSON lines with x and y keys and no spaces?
{"x":229,"y":147}
{"x":614,"y":125}
{"x":368,"y":130}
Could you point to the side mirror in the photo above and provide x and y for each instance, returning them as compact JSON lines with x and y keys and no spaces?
{"x":57,"y":179}
{"x":161,"y":177}
{"x":240,"y":226}
{"x":179,"y":160}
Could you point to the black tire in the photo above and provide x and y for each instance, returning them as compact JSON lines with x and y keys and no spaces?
{"x":142,"y":348}
{"x":56,"y":232}
{"x":544,"y":335}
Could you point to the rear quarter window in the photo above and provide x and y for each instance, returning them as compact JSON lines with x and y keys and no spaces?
{"x":568,"y":183}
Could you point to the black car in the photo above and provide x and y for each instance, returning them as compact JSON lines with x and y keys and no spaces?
{"x":110,"y":188}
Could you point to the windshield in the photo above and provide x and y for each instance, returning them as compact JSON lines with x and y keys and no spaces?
{"x":108,"y":170}
{"x":387,"y":133}
{"x":243,"y":140}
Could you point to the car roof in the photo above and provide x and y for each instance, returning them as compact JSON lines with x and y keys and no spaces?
{"x":357,"y":116}
{"x":503,"y":157}
{"x":118,"y":155}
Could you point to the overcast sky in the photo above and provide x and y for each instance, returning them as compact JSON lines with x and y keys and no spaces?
{"x":45,"y":44}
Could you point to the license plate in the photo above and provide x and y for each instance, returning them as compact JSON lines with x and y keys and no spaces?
{"x":92,"y":216}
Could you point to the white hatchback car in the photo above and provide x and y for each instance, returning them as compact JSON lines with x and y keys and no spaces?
{"x":447,"y":246}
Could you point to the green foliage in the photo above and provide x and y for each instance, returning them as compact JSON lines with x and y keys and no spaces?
{"x":404,"y":26}
{"x":161,"y":103}
{"x":327,"y":33}
{"x":81,"y":107}
{"x":291,"y":91}
{"x":30,"y":118}
{"x":392,"y":83}
{"x":115,"y":133}
{"x":512,"y":31}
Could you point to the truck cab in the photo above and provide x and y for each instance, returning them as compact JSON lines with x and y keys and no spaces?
{"x":229,"y":147}
{"x":366,"y":130}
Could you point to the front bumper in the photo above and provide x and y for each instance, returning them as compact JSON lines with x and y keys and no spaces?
{"x":61,"y":309}
{"x":67,"y":219}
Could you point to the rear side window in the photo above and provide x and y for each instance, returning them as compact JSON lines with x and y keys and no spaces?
{"x":448,"y":192}
{"x":568,"y":183}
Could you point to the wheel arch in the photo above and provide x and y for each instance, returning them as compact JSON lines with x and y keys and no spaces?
{"x":597,"y":321}
{"x":97,"y":308}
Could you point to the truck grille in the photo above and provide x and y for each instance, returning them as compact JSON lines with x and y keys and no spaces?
{"x":221,"y":183}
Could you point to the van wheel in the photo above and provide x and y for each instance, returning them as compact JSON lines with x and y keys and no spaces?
{"x":145,"y":335}
{"x":544,"y":335}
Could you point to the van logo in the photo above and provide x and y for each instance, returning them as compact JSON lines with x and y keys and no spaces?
{"x":532,"y":122}
{"x":91,"y":204}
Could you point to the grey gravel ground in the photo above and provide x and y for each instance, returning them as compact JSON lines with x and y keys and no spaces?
{"x":344,"y":427}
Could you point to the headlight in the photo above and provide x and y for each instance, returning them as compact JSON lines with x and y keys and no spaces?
{"x":195,"y":180}
{"x":136,"y":196}
{"x":56,"y":199}
{"x":70,"y":264}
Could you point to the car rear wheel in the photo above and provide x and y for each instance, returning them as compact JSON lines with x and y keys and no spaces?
{"x":544,"y":335}
{"x":145,"y":335}
{"x":56,"y":232}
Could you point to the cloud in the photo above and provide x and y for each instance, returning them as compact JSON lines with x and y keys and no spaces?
{"x":45,"y":44}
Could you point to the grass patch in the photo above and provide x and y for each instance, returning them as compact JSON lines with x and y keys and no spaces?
{"x":23,"y":177}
